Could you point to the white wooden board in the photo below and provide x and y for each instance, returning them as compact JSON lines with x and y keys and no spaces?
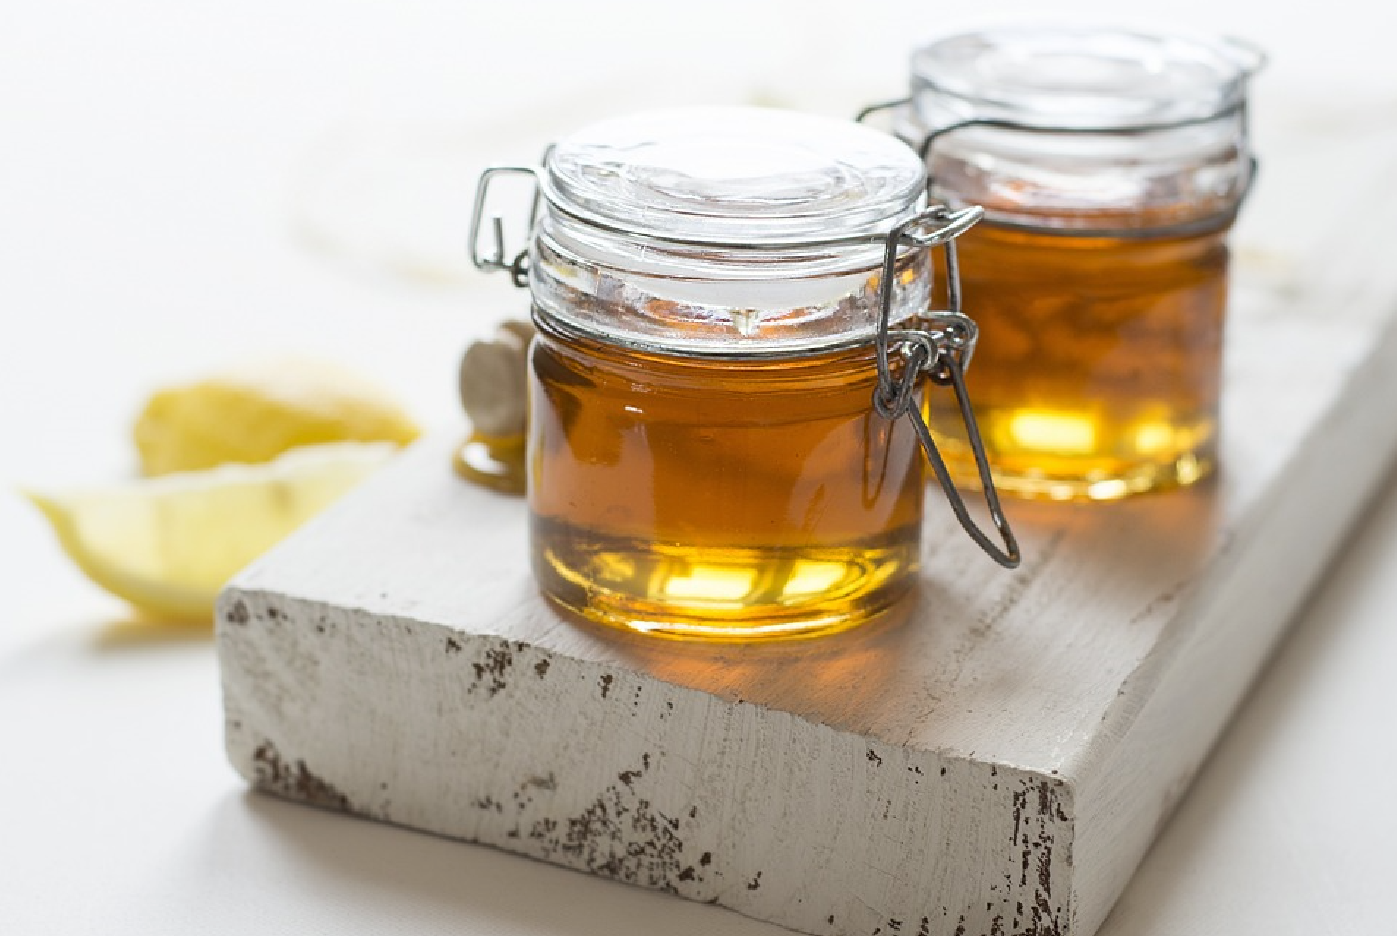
{"x":996,"y":763}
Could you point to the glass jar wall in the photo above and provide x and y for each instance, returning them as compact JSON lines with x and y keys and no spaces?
{"x":1111,"y":166}
{"x":704,"y":458}
{"x":718,"y":498}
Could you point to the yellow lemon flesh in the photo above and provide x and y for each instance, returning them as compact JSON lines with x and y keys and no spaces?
{"x":257,"y":412}
{"x":167,"y":545}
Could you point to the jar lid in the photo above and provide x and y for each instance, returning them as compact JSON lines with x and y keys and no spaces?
{"x":1096,"y":131}
{"x":1082,"y":78}
{"x":733,"y":231}
{"x":734,"y":176}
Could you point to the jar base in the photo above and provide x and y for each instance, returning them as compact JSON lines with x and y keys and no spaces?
{"x":721,"y":593}
{"x":1091,"y":485}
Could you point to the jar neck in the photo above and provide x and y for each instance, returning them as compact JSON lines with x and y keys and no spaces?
{"x":854,"y":361}
{"x":717,"y":302}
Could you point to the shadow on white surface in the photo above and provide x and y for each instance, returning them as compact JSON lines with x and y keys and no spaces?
{"x":136,"y":633}
{"x":395,"y":877}
{"x":1271,"y":835}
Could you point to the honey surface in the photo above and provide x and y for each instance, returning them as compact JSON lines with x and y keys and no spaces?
{"x":735,"y":499}
{"x":1097,"y":370}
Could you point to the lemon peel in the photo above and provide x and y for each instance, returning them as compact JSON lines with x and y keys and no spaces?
{"x":167,"y":545}
{"x":258,"y":410}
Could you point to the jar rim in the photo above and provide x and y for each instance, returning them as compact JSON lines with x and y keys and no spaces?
{"x":1081,"y":78}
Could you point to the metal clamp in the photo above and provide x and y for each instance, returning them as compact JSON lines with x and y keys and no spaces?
{"x":518,"y":267}
{"x":942,"y":351}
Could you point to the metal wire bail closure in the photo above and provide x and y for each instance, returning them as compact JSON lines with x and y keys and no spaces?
{"x":518,"y":266}
{"x":942,"y":351}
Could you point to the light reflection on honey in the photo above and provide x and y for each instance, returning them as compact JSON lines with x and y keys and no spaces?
{"x":728,"y":499}
{"x":1097,"y":371}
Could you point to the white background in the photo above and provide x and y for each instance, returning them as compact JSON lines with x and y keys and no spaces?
{"x":185,"y":183}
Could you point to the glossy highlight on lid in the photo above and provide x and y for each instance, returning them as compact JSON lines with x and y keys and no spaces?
{"x":1086,"y":78}
{"x":727,"y":175}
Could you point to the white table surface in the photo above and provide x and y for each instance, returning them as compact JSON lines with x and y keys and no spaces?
{"x":181,"y":184}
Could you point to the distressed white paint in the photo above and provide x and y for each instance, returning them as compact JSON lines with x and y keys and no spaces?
{"x":998,"y":762}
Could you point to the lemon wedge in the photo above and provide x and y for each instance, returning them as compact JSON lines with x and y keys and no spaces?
{"x":167,"y":545}
{"x":261,"y":409}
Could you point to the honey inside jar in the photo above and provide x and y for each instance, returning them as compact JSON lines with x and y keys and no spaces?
{"x":695,"y":497}
{"x":1097,"y":371}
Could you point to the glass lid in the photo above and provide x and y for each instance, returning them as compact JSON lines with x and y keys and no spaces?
{"x":734,"y":176}
{"x":1080,"y":78}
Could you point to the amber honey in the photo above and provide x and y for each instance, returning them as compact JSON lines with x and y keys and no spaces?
{"x":691,"y":496}
{"x":1097,"y":370}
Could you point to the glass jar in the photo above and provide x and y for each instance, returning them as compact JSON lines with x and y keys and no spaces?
{"x":1110,"y":165}
{"x":731,"y":312}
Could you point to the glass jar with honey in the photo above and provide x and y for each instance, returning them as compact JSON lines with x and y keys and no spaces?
{"x":1111,"y":165}
{"x":725,"y":404}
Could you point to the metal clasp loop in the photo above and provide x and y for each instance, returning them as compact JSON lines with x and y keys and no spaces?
{"x":942,"y":350}
{"x":518,"y":266}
